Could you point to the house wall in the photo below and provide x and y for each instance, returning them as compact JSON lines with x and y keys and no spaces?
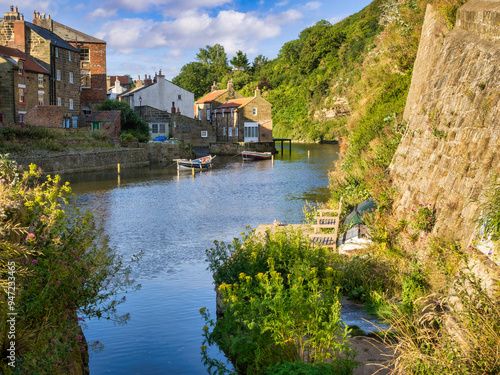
{"x":64,"y":88}
{"x":154,"y":116}
{"x":161,"y":95}
{"x":45,"y":115}
{"x":227,"y":122}
{"x":263,"y":117}
{"x":96,"y":94}
{"x":7,"y":94}
{"x":190,"y":130}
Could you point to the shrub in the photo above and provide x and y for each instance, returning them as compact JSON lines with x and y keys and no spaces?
{"x":423,"y":217}
{"x":54,"y":263}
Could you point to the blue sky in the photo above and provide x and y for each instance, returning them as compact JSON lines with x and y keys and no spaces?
{"x":144,"y":36}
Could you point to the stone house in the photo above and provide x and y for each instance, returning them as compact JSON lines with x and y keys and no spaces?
{"x":117,"y":89}
{"x":235,"y":118}
{"x":107,"y":122}
{"x":25,"y":85}
{"x":158,"y":121}
{"x":162,"y":95}
{"x":58,"y":57}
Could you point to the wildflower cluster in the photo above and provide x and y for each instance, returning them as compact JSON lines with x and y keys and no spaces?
{"x":423,"y":217}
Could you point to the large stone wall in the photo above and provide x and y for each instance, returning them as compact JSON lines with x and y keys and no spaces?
{"x":450,"y":152}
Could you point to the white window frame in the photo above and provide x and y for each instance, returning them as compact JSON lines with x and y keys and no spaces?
{"x":208,"y":113}
{"x":69,"y":56}
{"x":204,"y":134}
{"x":70,"y":77}
{"x":251,"y":132}
{"x":236,"y":131}
{"x":254,"y":111}
{"x":40,"y":97}
{"x":71,"y":104}
{"x":40,"y":80}
{"x":230,"y":131}
{"x":58,"y":75}
{"x":154,"y":128}
{"x":223,"y":130}
{"x":59,"y":101}
{"x":57,"y":52}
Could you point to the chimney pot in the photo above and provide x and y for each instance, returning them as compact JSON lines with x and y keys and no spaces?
{"x":16,"y":9}
{"x":12,"y":8}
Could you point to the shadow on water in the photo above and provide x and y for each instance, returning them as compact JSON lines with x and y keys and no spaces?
{"x":173,"y":218}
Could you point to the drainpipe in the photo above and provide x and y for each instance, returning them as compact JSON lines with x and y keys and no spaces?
{"x":14,"y":73}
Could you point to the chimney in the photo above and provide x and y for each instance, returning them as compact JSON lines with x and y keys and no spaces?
{"x":21,"y":17}
{"x":178,"y":111}
{"x":230,"y":89}
{"x":117,"y":85}
{"x":38,"y":15}
{"x":48,"y":16}
{"x":34,"y":16}
{"x":138,"y":83}
{"x":214,"y":87}
{"x":160,"y":75}
{"x":257,"y":92}
{"x":16,"y":9}
{"x":12,"y":8}
{"x":172,"y":110}
{"x":19,"y":35}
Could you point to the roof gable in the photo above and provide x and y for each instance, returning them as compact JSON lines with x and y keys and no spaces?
{"x":29,"y":64}
{"x":72,"y":35}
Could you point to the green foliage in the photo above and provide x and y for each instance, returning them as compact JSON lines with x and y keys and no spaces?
{"x":240,"y":61}
{"x":195,"y":77}
{"x":423,"y":217}
{"x":489,"y":219}
{"x":130,"y":120}
{"x":54,"y":263}
{"x":337,"y":367}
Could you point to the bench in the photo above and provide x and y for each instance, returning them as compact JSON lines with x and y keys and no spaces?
{"x":327,"y":219}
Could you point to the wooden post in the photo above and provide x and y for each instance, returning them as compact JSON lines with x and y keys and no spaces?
{"x":192,"y":171}
{"x":272,"y":159}
{"x":290,"y":144}
{"x":118,"y":168}
{"x":308,"y":153}
{"x":281,"y":147}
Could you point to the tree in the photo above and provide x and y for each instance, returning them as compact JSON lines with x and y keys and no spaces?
{"x":195,"y":77}
{"x":240,"y":61}
{"x":130,"y":121}
{"x":259,"y":62}
{"x":215,"y":58}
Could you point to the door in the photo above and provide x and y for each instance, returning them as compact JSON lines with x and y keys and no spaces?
{"x":251,"y":131}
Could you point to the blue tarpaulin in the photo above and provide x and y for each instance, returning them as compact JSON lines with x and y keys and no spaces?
{"x":161,"y":139}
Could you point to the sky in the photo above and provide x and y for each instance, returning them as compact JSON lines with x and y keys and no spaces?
{"x":144,"y":36}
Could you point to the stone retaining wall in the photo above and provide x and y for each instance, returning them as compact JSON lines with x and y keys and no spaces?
{"x":222,"y":148}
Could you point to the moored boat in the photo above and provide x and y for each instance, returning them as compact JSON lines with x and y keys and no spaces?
{"x":254,"y":155}
{"x":199,"y":164}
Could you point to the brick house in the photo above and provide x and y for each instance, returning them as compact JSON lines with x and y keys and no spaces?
{"x":126,"y":82}
{"x":92,"y":52}
{"x":107,"y":122}
{"x":58,"y":57}
{"x":236,"y":119}
{"x":25,"y":85}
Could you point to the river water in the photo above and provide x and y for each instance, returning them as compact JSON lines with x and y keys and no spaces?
{"x":173,"y":218}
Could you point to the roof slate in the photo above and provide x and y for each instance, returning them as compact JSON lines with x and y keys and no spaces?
{"x":29,"y":64}
{"x":103,"y":116}
{"x":72,"y":35}
{"x":49,"y":35}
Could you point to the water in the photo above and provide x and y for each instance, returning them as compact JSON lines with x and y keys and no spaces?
{"x":173,"y":218}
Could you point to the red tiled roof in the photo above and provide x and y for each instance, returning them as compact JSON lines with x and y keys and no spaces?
{"x":235,"y":103}
{"x":103,"y":116}
{"x":209,"y":97}
{"x":29,"y":63}
{"x":124,"y":80}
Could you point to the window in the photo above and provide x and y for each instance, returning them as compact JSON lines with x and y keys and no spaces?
{"x":69,"y":56}
{"x":1,"y":117}
{"x":204,"y":134}
{"x":208,"y":114}
{"x":254,"y":111}
{"x":21,"y":95}
{"x":154,"y":128}
{"x":71,"y":104}
{"x":84,"y":54}
{"x":70,"y":77}
{"x":20,"y":65}
{"x":96,"y":125}
{"x":86,"y":111}
{"x":199,"y":114}
{"x":21,"y":118}
{"x":58,"y":75}
{"x":40,"y":98}
{"x":162,"y":128}
{"x":74,"y":121}
{"x":57,"y":52}
{"x":236,"y":131}
{"x":179,"y":97}
{"x":85,"y":78}
{"x":40,"y":80}
{"x":59,"y":101}
{"x":230,"y":131}
{"x":224,"y":130}
{"x":232,"y":110}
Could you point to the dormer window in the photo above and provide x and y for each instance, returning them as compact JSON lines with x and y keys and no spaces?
{"x":20,"y":65}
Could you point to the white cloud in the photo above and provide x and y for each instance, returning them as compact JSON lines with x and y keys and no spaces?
{"x":167,"y":7}
{"x":103,"y":13}
{"x":281,"y":4}
{"x":234,"y":30}
{"x":313,"y":5}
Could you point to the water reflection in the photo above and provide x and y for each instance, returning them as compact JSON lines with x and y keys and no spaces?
{"x":173,"y":218}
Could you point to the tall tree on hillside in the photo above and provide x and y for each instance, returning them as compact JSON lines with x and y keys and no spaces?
{"x":215,"y":58}
{"x":240,"y":61}
{"x":195,"y":77}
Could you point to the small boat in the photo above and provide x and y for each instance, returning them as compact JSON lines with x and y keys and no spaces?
{"x":199,"y":164}
{"x":254,"y":155}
